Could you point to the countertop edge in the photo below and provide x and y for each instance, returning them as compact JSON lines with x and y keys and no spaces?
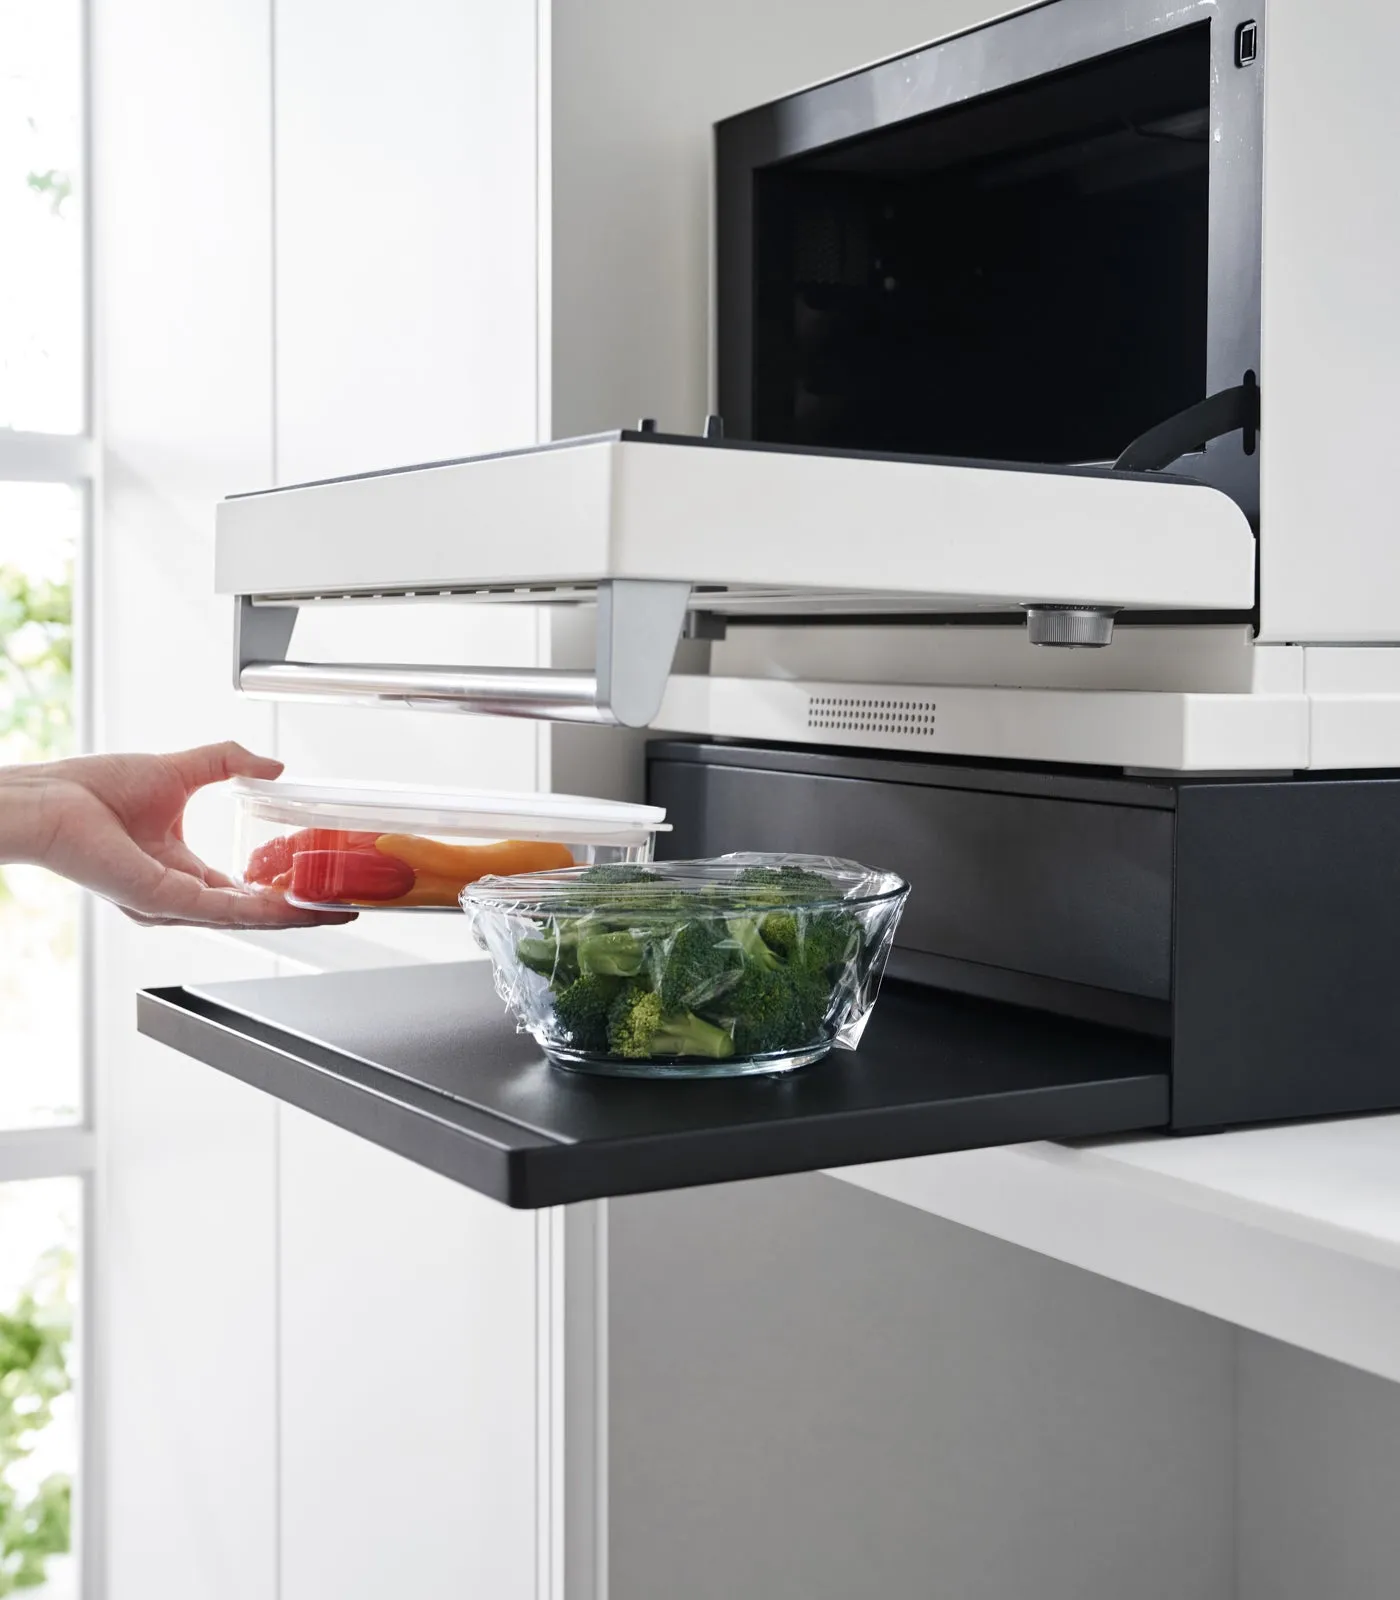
{"x":1286,"y":1274}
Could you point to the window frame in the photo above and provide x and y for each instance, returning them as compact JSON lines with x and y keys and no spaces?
{"x":71,"y":1149}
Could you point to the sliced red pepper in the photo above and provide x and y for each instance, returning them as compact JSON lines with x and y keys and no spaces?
{"x":336,"y":876}
{"x":272,"y":859}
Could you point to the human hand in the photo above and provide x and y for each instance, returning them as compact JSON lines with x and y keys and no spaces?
{"x":115,"y":825}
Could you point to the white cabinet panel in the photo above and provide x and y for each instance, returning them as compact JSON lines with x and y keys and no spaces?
{"x":405,"y":232}
{"x":815,"y":1395}
{"x":408,"y":1379}
{"x":1319,"y":1477}
{"x":1330,"y":565}
{"x":406,"y":331}
{"x":186,"y":1240}
{"x":187,"y":1325}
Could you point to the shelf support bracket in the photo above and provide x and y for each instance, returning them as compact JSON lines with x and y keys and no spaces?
{"x":639,"y":625}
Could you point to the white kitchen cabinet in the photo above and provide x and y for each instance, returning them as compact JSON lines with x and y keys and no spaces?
{"x":184,"y":1341}
{"x":814,"y":1394}
{"x":407,"y":1378}
{"x":404,"y":286}
{"x":186,"y":1327}
{"x":405,"y":293}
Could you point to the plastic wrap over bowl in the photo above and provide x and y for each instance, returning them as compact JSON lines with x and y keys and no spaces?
{"x":690,"y":969}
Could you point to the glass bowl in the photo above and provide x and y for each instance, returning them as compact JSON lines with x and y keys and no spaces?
{"x":690,"y":969}
{"x":386,"y":848}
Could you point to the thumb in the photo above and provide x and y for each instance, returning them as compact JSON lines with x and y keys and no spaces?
{"x":212,"y":763}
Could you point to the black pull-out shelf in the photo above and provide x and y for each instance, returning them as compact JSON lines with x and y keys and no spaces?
{"x":424,"y":1062}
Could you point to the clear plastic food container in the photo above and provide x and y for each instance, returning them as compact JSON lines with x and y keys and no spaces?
{"x":386,"y":848}
{"x":691,"y":969}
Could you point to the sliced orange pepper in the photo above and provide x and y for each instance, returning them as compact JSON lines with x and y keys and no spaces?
{"x":465,"y":863}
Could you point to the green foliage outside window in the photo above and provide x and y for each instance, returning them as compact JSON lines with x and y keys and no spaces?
{"x":36,"y":670}
{"x":36,"y":665}
{"x":36,"y":1338}
{"x":36,"y":1334}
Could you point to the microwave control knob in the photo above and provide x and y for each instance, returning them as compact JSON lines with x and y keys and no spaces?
{"x":1071,"y":627}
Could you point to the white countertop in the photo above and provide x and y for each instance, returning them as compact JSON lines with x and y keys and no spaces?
{"x":1292,"y":1231}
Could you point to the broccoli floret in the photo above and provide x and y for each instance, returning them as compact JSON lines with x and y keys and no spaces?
{"x":617,"y":872}
{"x":744,"y":936}
{"x":632,"y":1019}
{"x":637,"y":1029}
{"x":553,"y":955}
{"x":694,"y":966}
{"x":611,"y":955}
{"x":623,"y":894}
{"x":776,"y":1010}
{"x":685,"y":1034}
{"x":782,"y":933}
{"x":818,"y":941}
{"x":793,"y":884}
{"x":832,"y":941}
{"x":581,"y":1010}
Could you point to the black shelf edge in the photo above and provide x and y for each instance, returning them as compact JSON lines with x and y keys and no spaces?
{"x":425,"y":1127}
{"x":422,"y":1062}
{"x":603,"y":1169}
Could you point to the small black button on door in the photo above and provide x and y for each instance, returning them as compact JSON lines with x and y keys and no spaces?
{"x":1246,"y":44}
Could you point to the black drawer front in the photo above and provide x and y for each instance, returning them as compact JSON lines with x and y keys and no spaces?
{"x":1070,"y":890}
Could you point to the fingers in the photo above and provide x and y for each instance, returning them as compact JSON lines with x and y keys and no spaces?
{"x":184,"y":898}
{"x":179,"y":856}
{"x":213,"y":763}
{"x":140,"y":918}
{"x":175,"y":886}
{"x":240,"y":908}
{"x":202,"y":907}
{"x":156,"y":892}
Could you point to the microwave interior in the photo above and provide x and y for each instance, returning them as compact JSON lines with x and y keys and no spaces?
{"x":971,"y":258}
{"x":1022,"y":278}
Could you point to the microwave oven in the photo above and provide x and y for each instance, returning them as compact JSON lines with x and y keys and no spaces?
{"x":1067,"y":330}
{"x":1037,"y":243}
{"x":1038,"y":545}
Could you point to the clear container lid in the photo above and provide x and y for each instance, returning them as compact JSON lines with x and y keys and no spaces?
{"x":567,"y":818}
{"x":725,"y":882}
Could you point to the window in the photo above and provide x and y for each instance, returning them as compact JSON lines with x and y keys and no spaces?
{"x":46,"y":461}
